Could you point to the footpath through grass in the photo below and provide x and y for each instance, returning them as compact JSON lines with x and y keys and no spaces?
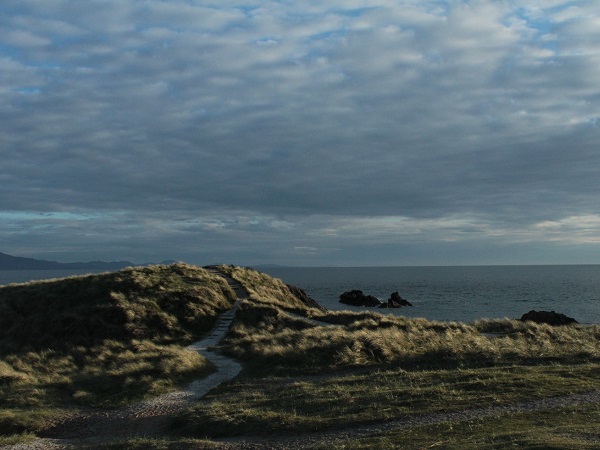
{"x":101,"y":340}
{"x":367,"y":368}
{"x":300,"y":376}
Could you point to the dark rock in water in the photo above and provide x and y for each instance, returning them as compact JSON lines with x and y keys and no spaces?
{"x":304,"y":298}
{"x":395,"y":301}
{"x":357,"y":298}
{"x":549,"y":317}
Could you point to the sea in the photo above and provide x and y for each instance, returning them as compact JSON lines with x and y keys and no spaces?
{"x":24,"y":276}
{"x":459,"y":293}
{"x":455,"y":293}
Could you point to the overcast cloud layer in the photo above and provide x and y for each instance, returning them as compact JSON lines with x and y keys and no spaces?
{"x":306,"y":133}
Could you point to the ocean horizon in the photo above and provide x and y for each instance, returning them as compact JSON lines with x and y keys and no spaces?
{"x":458,"y":293}
{"x":447,"y":293}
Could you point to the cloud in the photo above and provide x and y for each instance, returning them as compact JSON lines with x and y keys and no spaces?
{"x":424,"y":111}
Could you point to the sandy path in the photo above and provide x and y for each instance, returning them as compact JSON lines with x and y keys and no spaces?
{"x":227,"y":369}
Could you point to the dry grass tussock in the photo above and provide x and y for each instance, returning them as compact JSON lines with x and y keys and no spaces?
{"x":267,"y":338}
{"x":167,"y":303}
{"x":264,"y":289}
{"x":103,"y":339}
{"x":370,"y":368}
{"x":104,"y":375}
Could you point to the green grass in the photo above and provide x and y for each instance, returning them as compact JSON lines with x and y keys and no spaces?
{"x":14,"y":439}
{"x":306,"y":404}
{"x":19,"y":424}
{"x":574,"y":428}
{"x":161,"y":444}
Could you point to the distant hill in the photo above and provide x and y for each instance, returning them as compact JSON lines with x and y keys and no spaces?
{"x":8,"y":262}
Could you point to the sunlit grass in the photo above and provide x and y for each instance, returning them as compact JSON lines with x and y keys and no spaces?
{"x":169,"y":303}
{"x":265,"y":289}
{"x":269,"y":339}
{"x":102,"y":340}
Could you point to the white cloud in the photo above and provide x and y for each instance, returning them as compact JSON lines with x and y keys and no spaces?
{"x":571,"y":230}
{"x":435,"y":114}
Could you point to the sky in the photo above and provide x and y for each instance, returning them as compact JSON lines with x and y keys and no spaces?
{"x":305,"y":133}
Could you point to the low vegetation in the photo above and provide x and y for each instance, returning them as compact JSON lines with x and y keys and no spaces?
{"x":102,"y":340}
{"x":556,"y":429}
{"x":269,"y":340}
{"x":166,"y":303}
{"x":321,"y":370}
{"x":305,"y":369}
{"x":282,"y":405}
{"x":266,"y":290}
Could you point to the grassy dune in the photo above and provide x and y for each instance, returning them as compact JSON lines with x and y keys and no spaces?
{"x":265,"y":290}
{"x":102,"y":340}
{"x":112,"y":338}
{"x":273,"y":340}
{"x":372,"y":368}
{"x":365,"y":367}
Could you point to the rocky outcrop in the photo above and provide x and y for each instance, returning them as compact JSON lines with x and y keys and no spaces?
{"x":549,"y":317}
{"x":357,"y":298}
{"x":395,"y":301}
{"x":304,"y":298}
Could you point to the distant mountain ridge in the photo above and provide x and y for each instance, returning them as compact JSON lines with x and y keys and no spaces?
{"x":9,"y":262}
